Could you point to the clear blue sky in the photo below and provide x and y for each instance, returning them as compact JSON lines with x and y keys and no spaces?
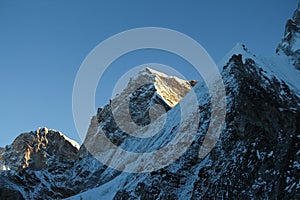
{"x":43,"y":43}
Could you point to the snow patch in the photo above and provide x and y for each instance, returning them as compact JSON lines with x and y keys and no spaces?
{"x":239,"y":48}
{"x":296,"y":42}
{"x":4,"y":168}
{"x":279,"y":65}
{"x":72,"y":142}
{"x":270,"y":154}
{"x":104,"y":192}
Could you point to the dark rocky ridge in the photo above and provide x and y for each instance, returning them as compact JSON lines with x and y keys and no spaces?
{"x":256,"y":154}
{"x":259,"y":144}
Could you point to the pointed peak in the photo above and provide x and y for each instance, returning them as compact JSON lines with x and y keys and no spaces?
{"x":171,"y":89}
{"x":148,"y":69}
{"x":155,"y":75}
{"x":238,"y":49}
{"x":44,"y":131}
{"x":72,"y":142}
{"x":152,"y":72}
{"x":299,"y":6}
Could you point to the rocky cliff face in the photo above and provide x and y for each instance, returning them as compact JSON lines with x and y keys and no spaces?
{"x":45,"y":164}
{"x":257,"y":154}
{"x":37,"y":150}
{"x":35,"y":165}
{"x":291,"y":40}
{"x":256,"y":157}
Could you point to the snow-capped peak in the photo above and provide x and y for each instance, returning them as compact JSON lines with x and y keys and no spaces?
{"x":146,"y":97}
{"x":239,"y":48}
{"x":153,"y":72}
{"x":278,"y":65}
{"x":170,"y":89}
{"x":72,"y":142}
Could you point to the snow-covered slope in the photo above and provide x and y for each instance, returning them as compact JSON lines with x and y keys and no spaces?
{"x":279,"y":66}
{"x":105,"y":191}
{"x":260,"y":142}
{"x":255,"y":157}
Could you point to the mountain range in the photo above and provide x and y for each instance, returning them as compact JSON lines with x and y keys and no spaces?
{"x":256,"y":156}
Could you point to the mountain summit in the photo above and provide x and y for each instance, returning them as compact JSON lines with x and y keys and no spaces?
{"x":147,"y":89}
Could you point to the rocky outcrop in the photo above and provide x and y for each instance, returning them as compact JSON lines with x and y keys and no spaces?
{"x":35,"y":150}
{"x":36,"y":162}
{"x":257,"y":154}
{"x":291,"y":41}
